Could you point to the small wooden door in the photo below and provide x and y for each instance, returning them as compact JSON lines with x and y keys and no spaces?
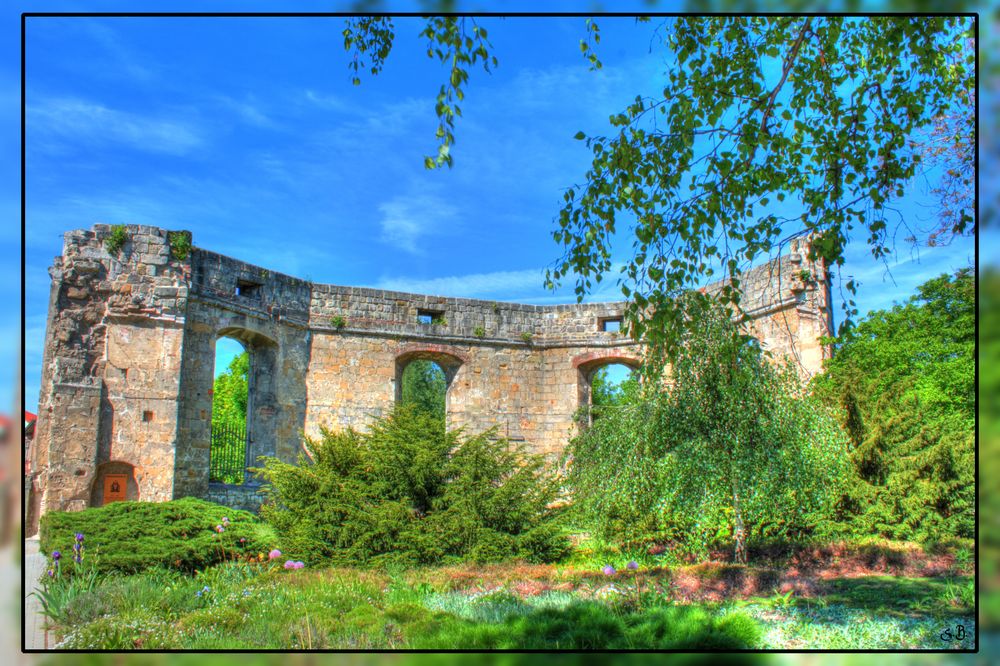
{"x":114,"y":487}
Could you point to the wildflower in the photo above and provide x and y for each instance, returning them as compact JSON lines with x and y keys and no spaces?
{"x":290,"y":564}
{"x":243,"y":541}
{"x":220,"y":529}
{"x":79,"y":537}
{"x":56,"y":555}
{"x":632,"y":566}
{"x":52,"y":573}
{"x":609,"y":570}
{"x":225,"y":521}
{"x":274,"y":554}
{"x":298,"y":565}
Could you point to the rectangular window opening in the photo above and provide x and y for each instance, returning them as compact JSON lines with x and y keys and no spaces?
{"x":430,"y":316}
{"x":610,"y":324}
{"x":247,"y":288}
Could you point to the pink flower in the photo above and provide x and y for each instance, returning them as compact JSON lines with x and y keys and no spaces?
{"x":274,"y":554}
{"x":298,"y":565}
{"x":609,"y":570}
{"x":290,"y":565}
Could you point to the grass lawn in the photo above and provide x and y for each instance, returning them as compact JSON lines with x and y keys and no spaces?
{"x":514,"y":606}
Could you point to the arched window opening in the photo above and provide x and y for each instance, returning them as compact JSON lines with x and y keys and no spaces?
{"x":230,"y":406}
{"x":612,"y":386}
{"x":605,"y":382}
{"x":424,"y":387}
{"x":424,"y":378}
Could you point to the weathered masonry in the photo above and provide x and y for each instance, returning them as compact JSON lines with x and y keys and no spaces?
{"x":130,"y":348}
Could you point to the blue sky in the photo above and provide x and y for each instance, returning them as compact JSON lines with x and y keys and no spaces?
{"x":249,"y":133}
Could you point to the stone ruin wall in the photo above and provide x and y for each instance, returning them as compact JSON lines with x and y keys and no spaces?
{"x":129,"y":359}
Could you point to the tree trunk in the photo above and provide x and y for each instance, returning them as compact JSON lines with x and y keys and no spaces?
{"x":739,"y":533}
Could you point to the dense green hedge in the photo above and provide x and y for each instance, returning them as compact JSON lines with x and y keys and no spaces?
{"x":904,"y":383}
{"x":409,"y":492}
{"x":132,"y":536}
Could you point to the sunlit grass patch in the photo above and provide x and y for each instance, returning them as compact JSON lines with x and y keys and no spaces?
{"x":898,"y":596}
{"x":839,"y":627}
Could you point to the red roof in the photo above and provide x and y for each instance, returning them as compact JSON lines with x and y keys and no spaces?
{"x":29,"y":417}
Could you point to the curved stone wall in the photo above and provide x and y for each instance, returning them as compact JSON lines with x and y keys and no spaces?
{"x":130,"y":350}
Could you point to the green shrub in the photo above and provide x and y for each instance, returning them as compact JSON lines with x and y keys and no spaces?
{"x":903,"y":382}
{"x":133,"y":536}
{"x":410,"y":492}
{"x":338,"y":322}
{"x":730,"y":452}
{"x":180,"y":244}
{"x":479,"y":332}
{"x":116,"y":239}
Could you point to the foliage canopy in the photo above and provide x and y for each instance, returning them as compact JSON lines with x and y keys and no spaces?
{"x":425,"y":387}
{"x":766,"y":127}
{"x":904,"y":381}
{"x":730,"y":449}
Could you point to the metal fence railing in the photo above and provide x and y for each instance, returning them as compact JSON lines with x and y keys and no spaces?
{"x":228,"y":458}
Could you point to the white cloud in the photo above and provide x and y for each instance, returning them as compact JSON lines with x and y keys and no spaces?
{"x":123,"y":59}
{"x":506,"y":284}
{"x":249,"y":112}
{"x":521,"y":286}
{"x":77,"y":121}
{"x":330,"y":102}
{"x":883,"y":283}
{"x":406,"y":219}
